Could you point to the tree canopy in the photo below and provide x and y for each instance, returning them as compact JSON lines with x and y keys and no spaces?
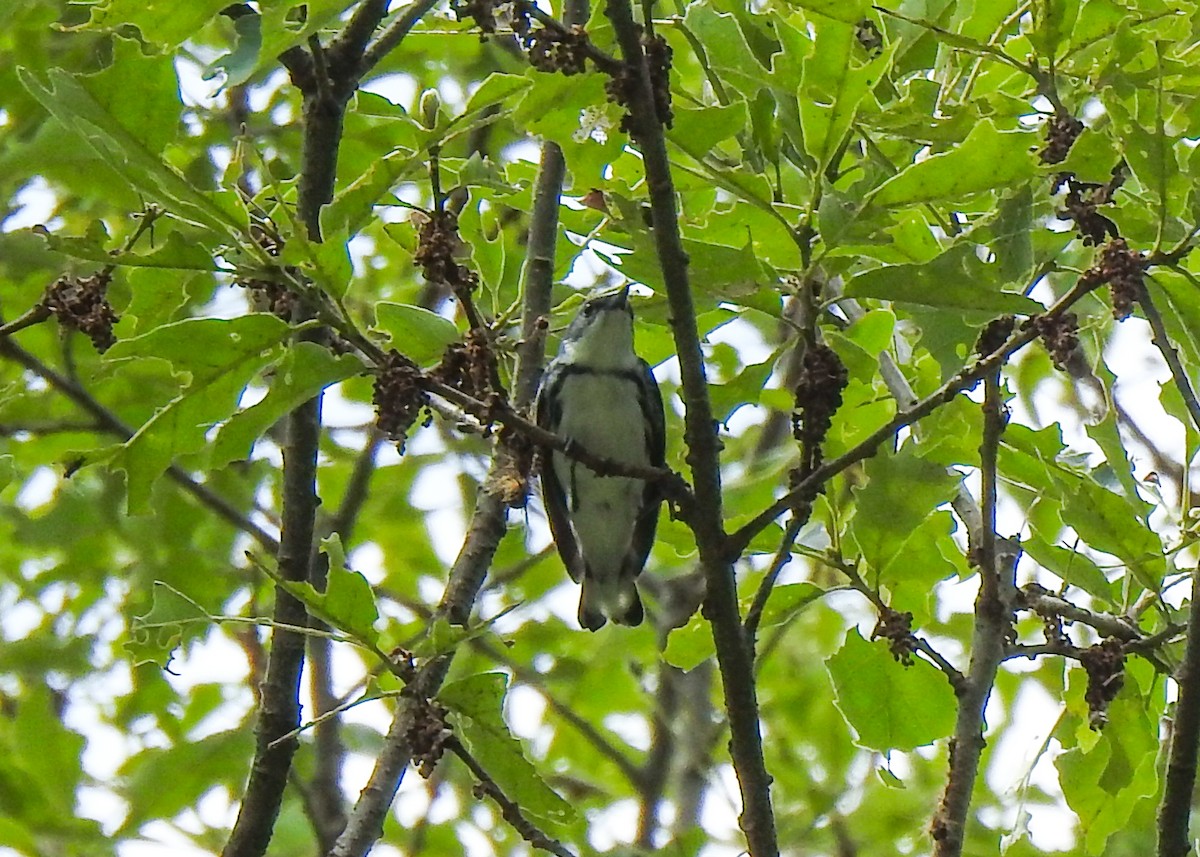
{"x":278,"y":280}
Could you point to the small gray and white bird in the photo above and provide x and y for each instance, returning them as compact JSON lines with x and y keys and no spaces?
{"x":599,"y":394}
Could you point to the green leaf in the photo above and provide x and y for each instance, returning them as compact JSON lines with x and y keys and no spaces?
{"x":217,"y":358}
{"x":305,"y":370}
{"x":986,"y":160}
{"x":348,"y":602}
{"x":902,"y":494}
{"x":788,"y":599}
{"x":442,"y":637}
{"x":1093,"y":156}
{"x":834,"y":86}
{"x":696,"y":131}
{"x":165,"y":23}
{"x":1053,"y":21}
{"x":326,"y":262}
{"x":1107,"y":522}
{"x":476,"y":704}
{"x":958,"y":280}
{"x":163,"y":782}
{"x":728,"y":272}
{"x":175,"y":252}
{"x":1107,"y":435}
{"x":1071,"y":566}
{"x":352,"y":207}
{"x":849,"y":11}
{"x":1101,"y":784}
{"x":287,"y":23}
{"x":891,"y":707}
{"x":239,"y":65}
{"x":417,"y":333}
{"x":742,"y":390}
{"x":80,"y":113}
{"x":1181,"y":310}
{"x":1013,"y":243}
{"x":498,"y":88}
{"x":690,"y":645}
{"x":45,"y":755}
{"x":141,"y":93}
{"x":154,"y":637}
{"x":1147,"y":147}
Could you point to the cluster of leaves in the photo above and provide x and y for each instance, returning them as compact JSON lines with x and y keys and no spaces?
{"x":934,"y":166}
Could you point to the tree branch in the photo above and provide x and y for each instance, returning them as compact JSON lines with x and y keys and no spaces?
{"x":395,"y":32}
{"x":1040,"y":600}
{"x":1175,"y":811}
{"x":703,"y":449}
{"x":279,"y":712}
{"x":325,"y":805}
{"x":539,"y":270}
{"x":326,"y":91}
{"x":993,"y":623}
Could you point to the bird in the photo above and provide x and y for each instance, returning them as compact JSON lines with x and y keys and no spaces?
{"x":598,"y":394}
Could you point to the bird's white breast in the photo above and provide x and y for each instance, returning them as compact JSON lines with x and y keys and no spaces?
{"x":606,"y":419}
{"x":605,"y":416}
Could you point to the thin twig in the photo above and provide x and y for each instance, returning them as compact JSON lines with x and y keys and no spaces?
{"x":967,"y":378}
{"x":110,"y":422}
{"x":782,"y":557}
{"x":919,"y":643}
{"x":509,"y":808}
{"x":1165,"y":347}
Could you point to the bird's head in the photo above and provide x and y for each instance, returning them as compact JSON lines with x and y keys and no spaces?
{"x":601,"y":335}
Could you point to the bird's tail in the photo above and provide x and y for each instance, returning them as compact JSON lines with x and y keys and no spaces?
{"x":609,"y":599}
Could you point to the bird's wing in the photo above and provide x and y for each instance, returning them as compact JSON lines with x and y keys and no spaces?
{"x":646,"y":524}
{"x":653,"y":414}
{"x":554,"y":498}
